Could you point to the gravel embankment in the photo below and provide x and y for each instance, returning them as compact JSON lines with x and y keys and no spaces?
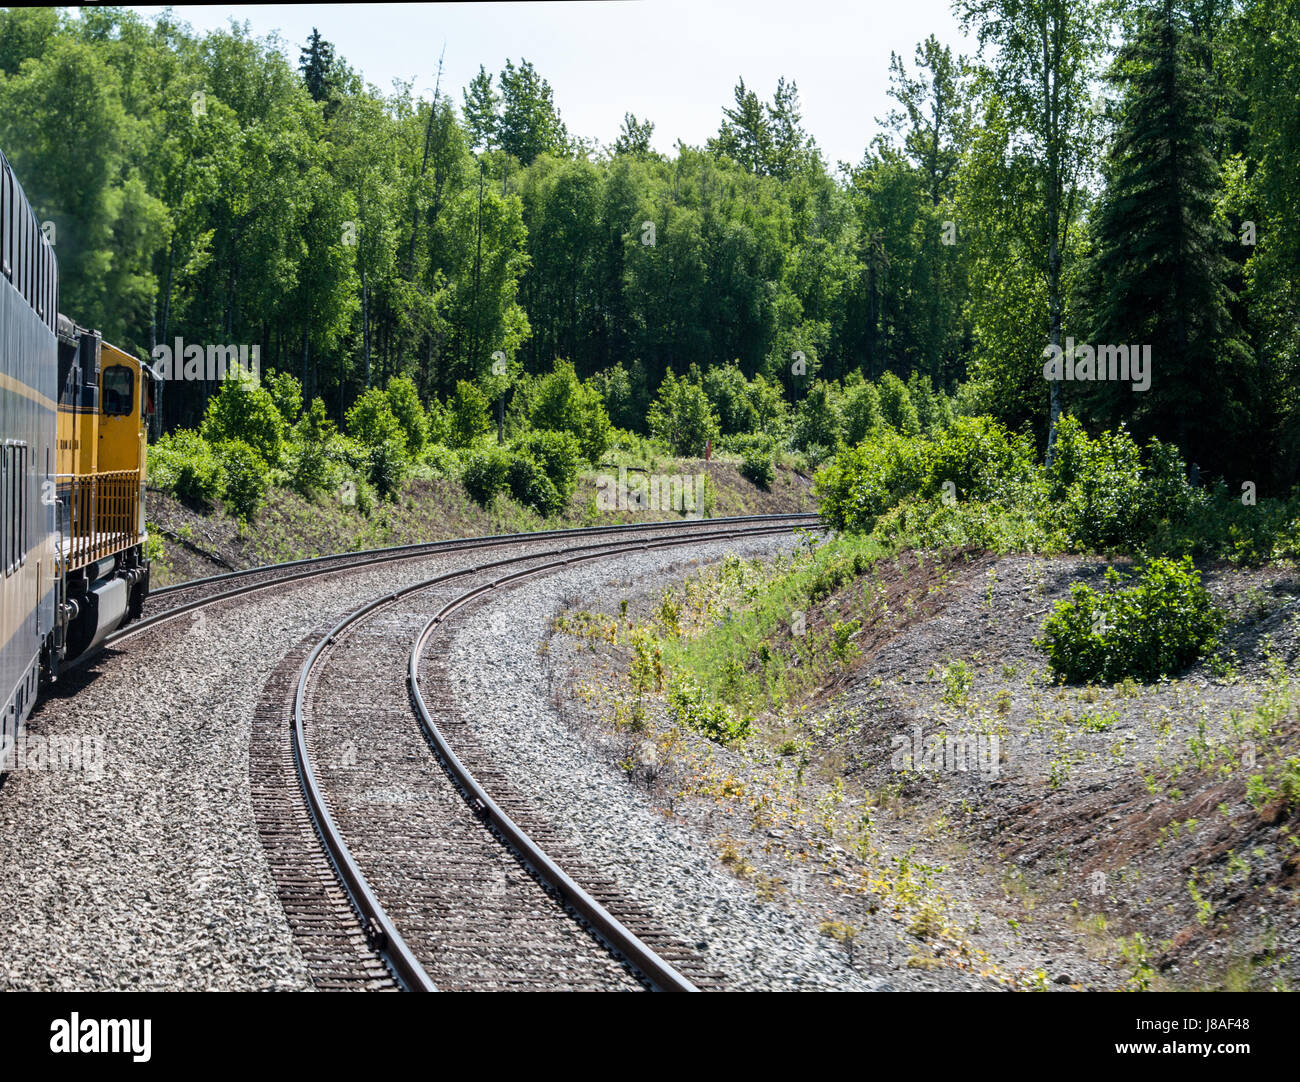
{"x":665,"y":866}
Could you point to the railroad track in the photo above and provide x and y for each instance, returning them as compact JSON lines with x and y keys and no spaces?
{"x":475,"y":890}
{"x":542,"y":928}
{"x":191,"y":595}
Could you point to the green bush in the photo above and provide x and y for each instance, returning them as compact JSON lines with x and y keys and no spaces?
{"x":467,"y":415}
{"x":688,"y":706}
{"x":933,"y":524}
{"x":623,"y":398}
{"x":241,"y":410}
{"x":404,"y":404}
{"x":286,"y":392}
{"x":1156,"y":627}
{"x":1109,"y":497}
{"x":560,"y":456}
{"x":817,"y":420}
{"x":530,"y":486}
{"x":861,"y":408}
{"x":770,"y":409}
{"x":437,"y":424}
{"x":441,"y":461}
{"x":386,"y":466}
{"x":308,"y":460}
{"x":184,"y":463}
{"x":245,"y":480}
{"x":981,"y":459}
{"x":371,"y":420}
{"x":682,"y":418}
{"x":863,"y":482}
{"x":486,"y":473}
{"x":757,"y":467}
{"x":728,"y":393}
{"x":560,"y":402}
{"x":896,"y":405}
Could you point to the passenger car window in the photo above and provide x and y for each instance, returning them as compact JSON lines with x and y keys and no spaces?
{"x":118,"y":390}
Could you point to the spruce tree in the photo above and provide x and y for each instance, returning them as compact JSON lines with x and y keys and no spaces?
{"x":1159,"y":274}
{"x":316,"y":62}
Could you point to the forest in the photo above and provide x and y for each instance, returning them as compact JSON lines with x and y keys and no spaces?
{"x":1097,"y":172}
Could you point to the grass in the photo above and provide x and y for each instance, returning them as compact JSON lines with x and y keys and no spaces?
{"x":766,"y":636}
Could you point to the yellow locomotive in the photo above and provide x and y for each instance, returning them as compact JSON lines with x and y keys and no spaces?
{"x":105,"y":398}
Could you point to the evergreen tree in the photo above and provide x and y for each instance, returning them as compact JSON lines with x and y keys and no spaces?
{"x":793,"y":148}
{"x":317,"y":64}
{"x":1159,"y":273}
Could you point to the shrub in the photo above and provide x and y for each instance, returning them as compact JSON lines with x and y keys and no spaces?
{"x":861,"y":411}
{"x":467,"y":415}
{"x":770,"y":410}
{"x":933,"y":408}
{"x":757,"y":466}
{"x":437,"y":424}
{"x":1156,"y":627}
{"x":559,"y":455}
{"x":386,"y":466}
{"x":561,"y":402}
{"x":286,"y":392}
{"x":817,"y":420}
{"x":682,"y":418}
{"x":441,"y":461}
{"x":1108,"y":496}
{"x":617,"y":392}
{"x":932,"y":524}
{"x":728,"y":393}
{"x":688,"y":706}
{"x":896,"y":405}
{"x":865,"y":481}
{"x":529,"y":484}
{"x":485,"y":474}
{"x":371,"y":422}
{"x":245,"y":477}
{"x":308,"y":459}
{"x":184,"y":462}
{"x":243,"y":411}
{"x":981,"y":458}
{"x":404,"y":404}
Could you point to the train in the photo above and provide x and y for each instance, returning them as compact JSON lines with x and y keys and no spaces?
{"x":74,"y":418}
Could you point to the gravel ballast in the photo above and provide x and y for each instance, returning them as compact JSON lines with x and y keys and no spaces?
{"x":143,"y":868}
{"x":669,"y":868}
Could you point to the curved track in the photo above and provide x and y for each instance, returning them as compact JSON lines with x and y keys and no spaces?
{"x":521,"y":936}
{"x":538,"y":927}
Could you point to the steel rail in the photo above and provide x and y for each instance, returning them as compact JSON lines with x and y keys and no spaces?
{"x":380,"y":927}
{"x":483,"y":540}
{"x":316,"y":567}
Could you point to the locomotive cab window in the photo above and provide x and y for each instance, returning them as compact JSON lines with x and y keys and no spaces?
{"x":119,"y":390}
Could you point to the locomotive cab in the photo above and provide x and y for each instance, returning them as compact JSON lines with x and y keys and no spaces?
{"x":104,"y":404}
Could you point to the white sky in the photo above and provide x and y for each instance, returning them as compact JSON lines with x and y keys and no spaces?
{"x":674,"y":62}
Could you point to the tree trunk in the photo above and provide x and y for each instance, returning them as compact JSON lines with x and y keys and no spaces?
{"x":365,"y":322}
